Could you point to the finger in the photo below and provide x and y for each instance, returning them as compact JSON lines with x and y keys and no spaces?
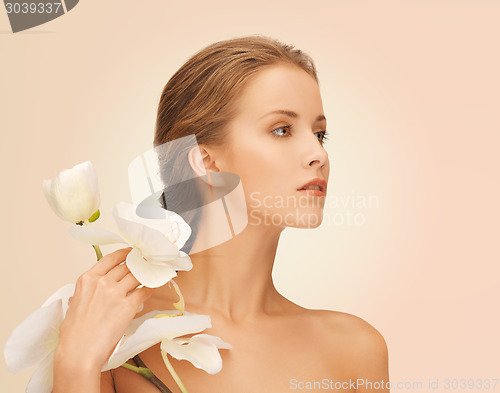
{"x":140,"y":295}
{"x":129,"y":283}
{"x":118,"y":272}
{"x":109,"y":261}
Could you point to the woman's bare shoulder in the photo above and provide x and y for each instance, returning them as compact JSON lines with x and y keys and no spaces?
{"x":362,"y":346}
{"x":349,"y":328}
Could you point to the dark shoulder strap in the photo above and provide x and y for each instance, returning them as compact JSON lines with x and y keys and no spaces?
{"x":154,"y":379}
{"x":113,"y":380}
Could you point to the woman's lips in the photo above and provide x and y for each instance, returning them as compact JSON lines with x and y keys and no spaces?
{"x":313,"y":192}
{"x":315,"y":187}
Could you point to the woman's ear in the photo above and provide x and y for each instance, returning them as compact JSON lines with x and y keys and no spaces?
{"x":201,"y":160}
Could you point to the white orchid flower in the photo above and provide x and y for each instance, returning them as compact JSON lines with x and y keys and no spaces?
{"x":155,"y":256}
{"x":34,"y":341}
{"x":73,"y":193}
{"x":202,"y":350}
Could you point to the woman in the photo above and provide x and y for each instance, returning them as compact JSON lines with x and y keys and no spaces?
{"x":254,"y":105}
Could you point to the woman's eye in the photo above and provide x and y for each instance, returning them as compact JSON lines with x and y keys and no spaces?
{"x":322,"y":136}
{"x":282,"y":131}
{"x":285,"y":132}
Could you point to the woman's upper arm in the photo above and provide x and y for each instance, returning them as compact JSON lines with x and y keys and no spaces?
{"x":107,"y":383}
{"x":372,"y":360}
{"x":364,"y":350}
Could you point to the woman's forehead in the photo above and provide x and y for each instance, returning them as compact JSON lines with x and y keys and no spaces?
{"x":280,"y":87}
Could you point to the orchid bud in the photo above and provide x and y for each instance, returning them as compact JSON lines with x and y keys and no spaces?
{"x":73,"y":193}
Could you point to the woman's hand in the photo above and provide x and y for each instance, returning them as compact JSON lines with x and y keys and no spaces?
{"x":106,"y":300}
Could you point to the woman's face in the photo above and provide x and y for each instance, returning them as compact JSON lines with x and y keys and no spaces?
{"x":274,"y":145}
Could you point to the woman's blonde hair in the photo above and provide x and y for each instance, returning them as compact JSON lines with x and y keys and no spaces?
{"x":200,"y":99}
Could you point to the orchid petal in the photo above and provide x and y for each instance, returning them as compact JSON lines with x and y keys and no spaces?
{"x":180,"y":226}
{"x":152,"y":331}
{"x":42,"y":379}
{"x":73,"y":193}
{"x":46,"y":186}
{"x":151,"y":242}
{"x":33,"y":339}
{"x":63,"y":293}
{"x":129,"y":348}
{"x":94,"y":235}
{"x":167,"y":222}
{"x":148,"y":274}
{"x":201,"y":350}
{"x":136,"y":322}
{"x":157,"y":216}
{"x":117,"y":346}
{"x":157,"y":246}
{"x":182,"y":262}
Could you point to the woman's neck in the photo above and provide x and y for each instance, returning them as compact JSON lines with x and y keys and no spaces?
{"x":234,"y":279}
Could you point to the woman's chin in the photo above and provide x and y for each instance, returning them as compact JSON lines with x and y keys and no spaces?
{"x":305,"y":221}
{"x":311,"y":224}
{"x":297,"y":218}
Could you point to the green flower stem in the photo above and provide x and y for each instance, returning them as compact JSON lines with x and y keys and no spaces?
{"x":148,"y":374}
{"x":180,"y":304}
{"x":98,"y":252}
{"x":174,"y":374}
{"x":97,"y":249}
{"x":145,"y":372}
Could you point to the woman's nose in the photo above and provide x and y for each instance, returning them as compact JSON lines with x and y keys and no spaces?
{"x":315,"y":154}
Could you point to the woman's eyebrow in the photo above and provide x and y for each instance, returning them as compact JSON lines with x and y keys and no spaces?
{"x":291,"y":114}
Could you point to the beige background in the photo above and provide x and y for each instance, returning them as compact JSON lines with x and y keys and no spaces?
{"x":411,"y":93}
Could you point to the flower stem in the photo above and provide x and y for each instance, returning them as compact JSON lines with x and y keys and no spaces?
{"x":145,"y":372}
{"x":97,"y":249}
{"x":180,"y":304}
{"x":174,"y":374}
{"x":98,"y":252}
